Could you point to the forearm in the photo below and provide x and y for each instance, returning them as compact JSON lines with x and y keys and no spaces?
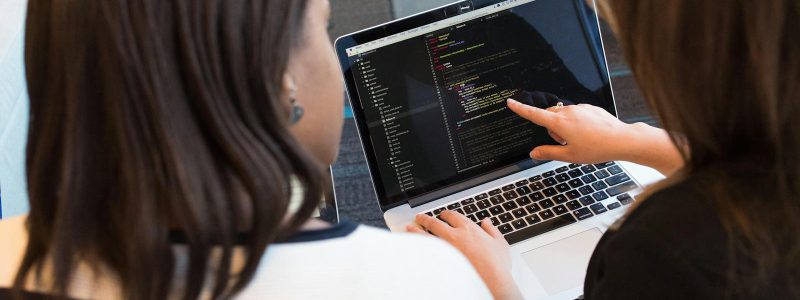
{"x":502,"y":286}
{"x":652,"y":147}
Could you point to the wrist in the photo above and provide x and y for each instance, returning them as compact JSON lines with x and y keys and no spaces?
{"x":651,"y":147}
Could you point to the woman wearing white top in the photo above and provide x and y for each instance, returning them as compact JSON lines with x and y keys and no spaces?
{"x":165,"y":141}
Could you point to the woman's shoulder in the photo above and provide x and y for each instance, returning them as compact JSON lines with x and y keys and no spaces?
{"x":368,"y":263}
{"x":682,"y":216}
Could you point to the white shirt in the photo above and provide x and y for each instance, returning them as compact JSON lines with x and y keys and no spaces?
{"x":345,"y":262}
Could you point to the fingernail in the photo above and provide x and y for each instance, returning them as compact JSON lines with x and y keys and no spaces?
{"x":536,"y":154}
{"x":512,"y":101}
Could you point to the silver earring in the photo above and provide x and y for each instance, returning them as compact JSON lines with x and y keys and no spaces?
{"x":297,"y":110}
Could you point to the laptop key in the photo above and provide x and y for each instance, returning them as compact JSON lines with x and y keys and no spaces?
{"x":549,"y":174}
{"x":469,"y":209}
{"x":495,"y":192}
{"x":599,"y":186}
{"x":523,"y":201}
{"x":438,"y":211}
{"x":548,"y":182}
{"x":523,"y":190}
{"x":583,"y":213}
{"x":521,"y":183}
{"x":576,"y":183}
{"x":484,"y":204}
{"x":562,"y":188}
{"x":506,"y":217}
{"x":573,"y":194}
{"x":598,"y":208}
{"x":536,"y":186}
{"x":586,"y":190}
{"x":520,"y":213}
{"x":509,"y":206}
{"x":574,"y":204}
{"x":533,"y":208}
{"x":587,"y":200}
{"x":602,"y":174}
{"x":625,"y":199}
{"x":614,"y":206}
{"x":605,"y":165}
{"x":496,"y":199}
{"x":574,"y":166}
{"x":495,"y":221}
{"x":615,"y":170}
{"x":454,"y":206}
{"x":511,"y":195}
{"x":615,"y":180}
{"x":536,"y":196}
{"x":430,"y":214}
{"x":460,"y":211}
{"x":589,"y":179}
{"x":547,"y":203}
{"x":560,"y":209}
{"x":519,"y":224}
{"x":496,"y":210}
{"x":622,"y":188}
{"x":560,"y":199}
{"x":562,"y":177}
{"x":509,"y":187}
{"x":600,"y":196}
{"x":473,"y":218}
{"x":482,"y":215}
{"x":547,"y":214}
{"x":505,"y":228}
{"x":550,"y":192}
{"x":562,"y":169}
{"x":539,"y":228}
{"x":481,"y":197}
{"x":533,"y":219}
{"x":588,"y":169}
{"x":468,"y":201}
{"x":535,"y":178}
{"x":575,"y":173}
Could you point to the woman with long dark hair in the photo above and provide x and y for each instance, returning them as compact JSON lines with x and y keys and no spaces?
{"x":724,"y":79}
{"x":177,"y":149}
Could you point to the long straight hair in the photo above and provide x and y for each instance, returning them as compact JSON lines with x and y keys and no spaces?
{"x":724,"y":79}
{"x":154,"y":116}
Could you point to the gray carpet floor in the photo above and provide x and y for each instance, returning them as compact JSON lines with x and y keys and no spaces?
{"x":354,"y":192}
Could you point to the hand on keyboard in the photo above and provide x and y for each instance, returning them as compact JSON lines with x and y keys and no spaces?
{"x":483,"y":245}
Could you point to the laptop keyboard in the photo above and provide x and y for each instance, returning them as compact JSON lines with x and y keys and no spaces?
{"x":545,"y":202}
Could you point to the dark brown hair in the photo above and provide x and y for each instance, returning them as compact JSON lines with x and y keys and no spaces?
{"x":154,"y":116}
{"x":724,"y":79}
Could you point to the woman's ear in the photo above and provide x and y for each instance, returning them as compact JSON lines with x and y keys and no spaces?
{"x":289,"y":88}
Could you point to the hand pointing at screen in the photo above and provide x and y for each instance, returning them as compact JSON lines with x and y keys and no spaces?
{"x":590,"y":134}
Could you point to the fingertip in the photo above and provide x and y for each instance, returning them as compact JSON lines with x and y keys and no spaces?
{"x":536,"y":154}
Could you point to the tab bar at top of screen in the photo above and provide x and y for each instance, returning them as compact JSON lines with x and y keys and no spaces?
{"x":422,"y":30}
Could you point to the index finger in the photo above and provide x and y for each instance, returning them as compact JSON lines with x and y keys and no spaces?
{"x":455,"y":219}
{"x":534,"y":114}
{"x":434,"y":225}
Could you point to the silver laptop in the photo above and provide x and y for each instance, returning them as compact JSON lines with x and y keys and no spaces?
{"x":429,"y":94}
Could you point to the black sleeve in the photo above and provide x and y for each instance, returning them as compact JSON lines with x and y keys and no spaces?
{"x":636,"y":264}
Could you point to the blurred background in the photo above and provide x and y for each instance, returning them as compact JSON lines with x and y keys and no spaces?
{"x":353,"y":189}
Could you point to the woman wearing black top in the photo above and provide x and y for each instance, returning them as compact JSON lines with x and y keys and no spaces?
{"x":724,"y":79}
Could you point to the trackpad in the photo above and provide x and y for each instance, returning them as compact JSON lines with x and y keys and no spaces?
{"x":561,"y":266}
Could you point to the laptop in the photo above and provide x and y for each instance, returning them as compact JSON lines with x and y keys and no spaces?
{"x":428,"y":94}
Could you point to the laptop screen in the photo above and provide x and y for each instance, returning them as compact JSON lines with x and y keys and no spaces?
{"x":433,"y":99}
